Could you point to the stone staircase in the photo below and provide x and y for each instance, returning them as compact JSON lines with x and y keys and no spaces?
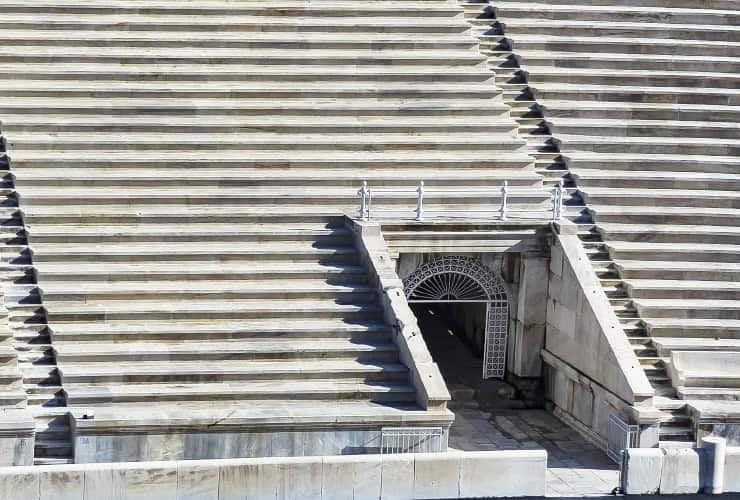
{"x":639,"y":104}
{"x":183,"y":168}
{"x":38,"y":387}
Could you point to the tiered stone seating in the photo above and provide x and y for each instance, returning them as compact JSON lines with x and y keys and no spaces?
{"x":640,"y":99}
{"x":183,"y":168}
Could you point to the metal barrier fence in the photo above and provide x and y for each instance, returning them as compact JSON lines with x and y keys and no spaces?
{"x":505,"y":192}
{"x":412,"y":440}
{"x":619,"y":436}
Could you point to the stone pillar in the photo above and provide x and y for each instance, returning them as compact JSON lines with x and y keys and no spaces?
{"x":528,"y":337}
{"x":714,"y":457}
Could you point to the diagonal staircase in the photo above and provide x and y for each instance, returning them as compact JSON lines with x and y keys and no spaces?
{"x":637,"y":103}
{"x":184,"y":168}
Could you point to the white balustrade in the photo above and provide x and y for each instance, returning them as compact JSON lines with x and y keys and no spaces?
{"x":505,"y":209}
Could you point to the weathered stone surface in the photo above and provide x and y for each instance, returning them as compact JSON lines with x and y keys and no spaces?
{"x":17,"y":436}
{"x":352,"y":476}
{"x":732,"y":470}
{"x":197,"y":481}
{"x":140,"y":482}
{"x":436,"y":475}
{"x":681,"y":471}
{"x":397,"y":477}
{"x":61,"y":484}
{"x":503,"y":474}
{"x":388,"y":477}
{"x":643,"y":471}
{"x":20,"y":483}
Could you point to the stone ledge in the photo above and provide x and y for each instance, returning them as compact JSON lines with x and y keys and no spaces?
{"x":127,"y":434}
{"x":426,"y":377}
{"x":251,"y":417}
{"x":487,"y":474}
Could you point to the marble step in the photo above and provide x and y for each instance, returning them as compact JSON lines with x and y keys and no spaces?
{"x":484,"y":199}
{"x":693,"y":328}
{"x":642,"y":128}
{"x":629,"y":28}
{"x":680,"y":252}
{"x":666,"y":215}
{"x":682,"y":289}
{"x":193,"y":251}
{"x":648,"y":145}
{"x":704,"y":4}
{"x":25,"y":93}
{"x":220,"y":56}
{"x":625,"y":92}
{"x":272,"y":415}
{"x":291,"y":310}
{"x":667,"y":344}
{"x":172,"y":232}
{"x":254,"y":73}
{"x":616,"y":60}
{"x":27,"y":144}
{"x":717,"y":272}
{"x":220,"y":40}
{"x":669,"y":233}
{"x":258,"y":177}
{"x":69,"y":353}
{"x":205,"y":331}
{"x":614,"y":111}
{"x":688,"y":308}
{"x":656,"y":180}
{"x":303,"y":390}
{"x":297,"y":23}
{"x":615,"y":13}
{"x":203,"y":271}
{"x":207,"y":10}
{"x":101,"y":373}
{"x":709,"y":393}
{"x":68,"y":293}
{"x":565,"y":42}
{"x":595,"y":196}
{"x":130,"y":114}
{"x":362,"y":161}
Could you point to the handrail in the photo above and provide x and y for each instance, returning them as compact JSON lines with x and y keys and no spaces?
{"x":419,"y":192}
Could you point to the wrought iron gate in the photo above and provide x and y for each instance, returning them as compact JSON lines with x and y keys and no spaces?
{"x":456,"y":278}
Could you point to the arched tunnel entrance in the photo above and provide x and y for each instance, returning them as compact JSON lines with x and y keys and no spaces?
{"x":462,"y":309}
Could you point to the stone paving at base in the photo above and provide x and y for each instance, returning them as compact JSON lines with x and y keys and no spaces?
{"x":576,"y":468}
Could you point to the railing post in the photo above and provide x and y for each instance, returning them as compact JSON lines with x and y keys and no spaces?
{"x":504,"y":195}
{"x":560,"y":199}
{"x":554,"y":197}
{"x":420,"y":202}
{"x":364,"y":207}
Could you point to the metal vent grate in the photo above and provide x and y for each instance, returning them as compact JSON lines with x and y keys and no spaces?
{"x":412,"y":440}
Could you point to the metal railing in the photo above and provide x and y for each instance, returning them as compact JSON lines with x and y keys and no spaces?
{"x":619,"y":436}
{"x":412,"y":440}
{"x":505,"y":193}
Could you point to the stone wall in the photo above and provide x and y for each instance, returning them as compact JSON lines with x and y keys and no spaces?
{"x":399,"y":477}
{"x":592,"y":370}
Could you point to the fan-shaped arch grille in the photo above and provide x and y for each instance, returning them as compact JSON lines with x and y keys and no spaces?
{"x":456,"y":278}
{"x":449,"y":286}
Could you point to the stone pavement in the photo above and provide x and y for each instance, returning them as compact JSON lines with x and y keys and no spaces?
{"x":576,"y":468}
